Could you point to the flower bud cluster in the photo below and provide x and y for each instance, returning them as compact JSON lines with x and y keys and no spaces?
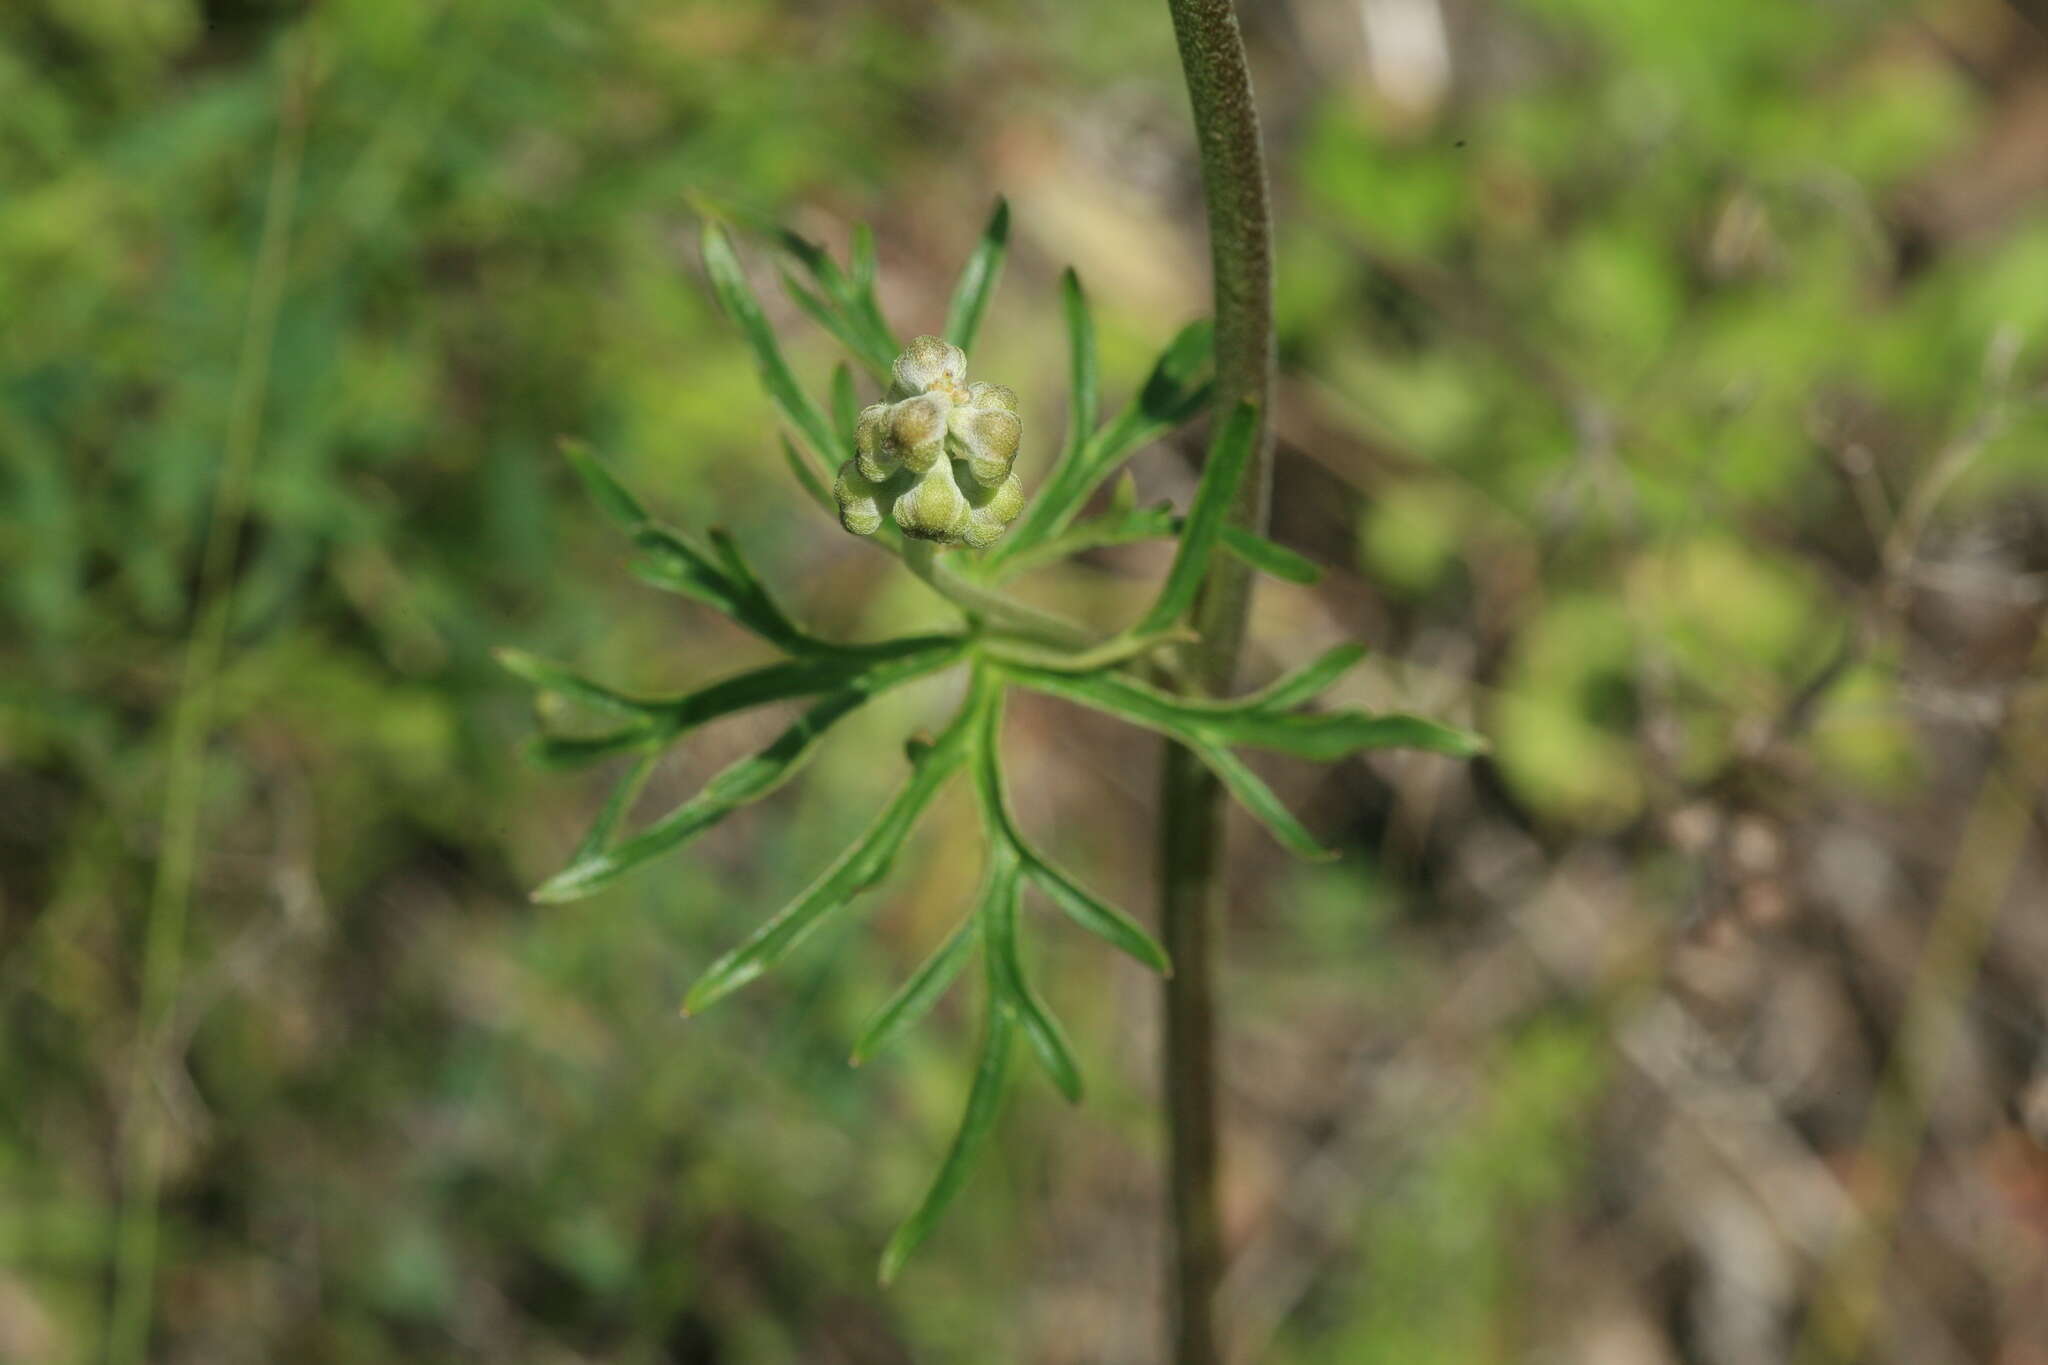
{"x":936,"y":457}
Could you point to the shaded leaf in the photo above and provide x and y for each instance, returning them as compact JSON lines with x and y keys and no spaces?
{"x":616,"y":807}
{"x":553,"y":677}
{"x":1084,"y":382}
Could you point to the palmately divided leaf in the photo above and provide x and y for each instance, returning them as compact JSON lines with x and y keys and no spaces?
{"x":978,"y":279}
{"x":984,"y":1103}
{"x":859,"y":868}
{"x":915,"y":997}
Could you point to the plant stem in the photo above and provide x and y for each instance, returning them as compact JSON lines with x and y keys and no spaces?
{"x":1190,"y":813}
{"x":1002,"y":614}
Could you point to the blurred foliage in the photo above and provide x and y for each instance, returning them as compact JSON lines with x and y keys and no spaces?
{"x":1597,"y":334}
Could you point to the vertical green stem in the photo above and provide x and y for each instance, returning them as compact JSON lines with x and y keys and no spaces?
{"x":143,"y":1122}
{"x":1191,"y":813}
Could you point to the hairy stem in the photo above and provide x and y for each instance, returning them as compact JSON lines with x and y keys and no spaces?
{"x":1191,"y":814}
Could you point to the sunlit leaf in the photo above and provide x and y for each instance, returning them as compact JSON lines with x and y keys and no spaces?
{"x":736,"y":297}
{"x":859,"y":868}
{"x":978,"y":279}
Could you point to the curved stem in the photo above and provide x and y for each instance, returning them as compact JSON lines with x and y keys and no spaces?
{"x":1191,"y":815}
{"x":1002,"y":614}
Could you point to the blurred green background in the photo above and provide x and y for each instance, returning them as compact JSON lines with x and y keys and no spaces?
{"x":1661,"y":391}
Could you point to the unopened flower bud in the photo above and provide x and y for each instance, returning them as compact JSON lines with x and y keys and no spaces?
{"x":936,"y":457}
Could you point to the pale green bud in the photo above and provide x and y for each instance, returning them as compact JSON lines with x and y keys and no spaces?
{"x":861,"y":500}
{"x":934,"y":508}
{"x":873,"y":445}
{"x":936,"y":457}
{"x":917,"y":428}
{"x":928,"y":364}
{"x":992,"y":511}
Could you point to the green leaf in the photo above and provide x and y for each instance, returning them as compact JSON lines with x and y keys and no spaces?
{"x":849,"y":331}
{"x":606,"y":491}
{"x":746,"y":781}
{"x":672,"y":561}
{"x":1080,"y":905}
{"x":914,"y":999}
{"x":859,"y":868}
{"x":1307,"y":682}
{"x":845,"y":409}
{"x":1230,"y":453}
{"x":576,"y":751}
{"x":736,"y":297}
{"x":978,"y":279}
{"x":751,"y":778}
{"x":1277,"y":561}
{"x":1084,"y":382}
{"x":807,"y":476}
{"x":1095,"y":915}
{"x":998,"y":912}
{"x":1258,"y":799}
{"x":984,"y":1102}
{"x":1126,"y":523}
{"x":847,"y":309}
{"x":616,"y":807}
{"x":1333,"y":734}
{"x":1172,"y":394}
{"x":553,"y":677}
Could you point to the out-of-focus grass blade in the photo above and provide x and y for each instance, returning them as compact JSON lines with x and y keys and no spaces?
{"x":914,"y":999}
{"x":859,"y":868}
{"x":984,"y":1102}
{"x":736,"y":296}
{"x":998,"y":912}
{"x":1256,"y":797}
{"x":978,"y":279}
{"x":607,"y":492}
{"x":860,"y":251}
{"x":1229,"y":453}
